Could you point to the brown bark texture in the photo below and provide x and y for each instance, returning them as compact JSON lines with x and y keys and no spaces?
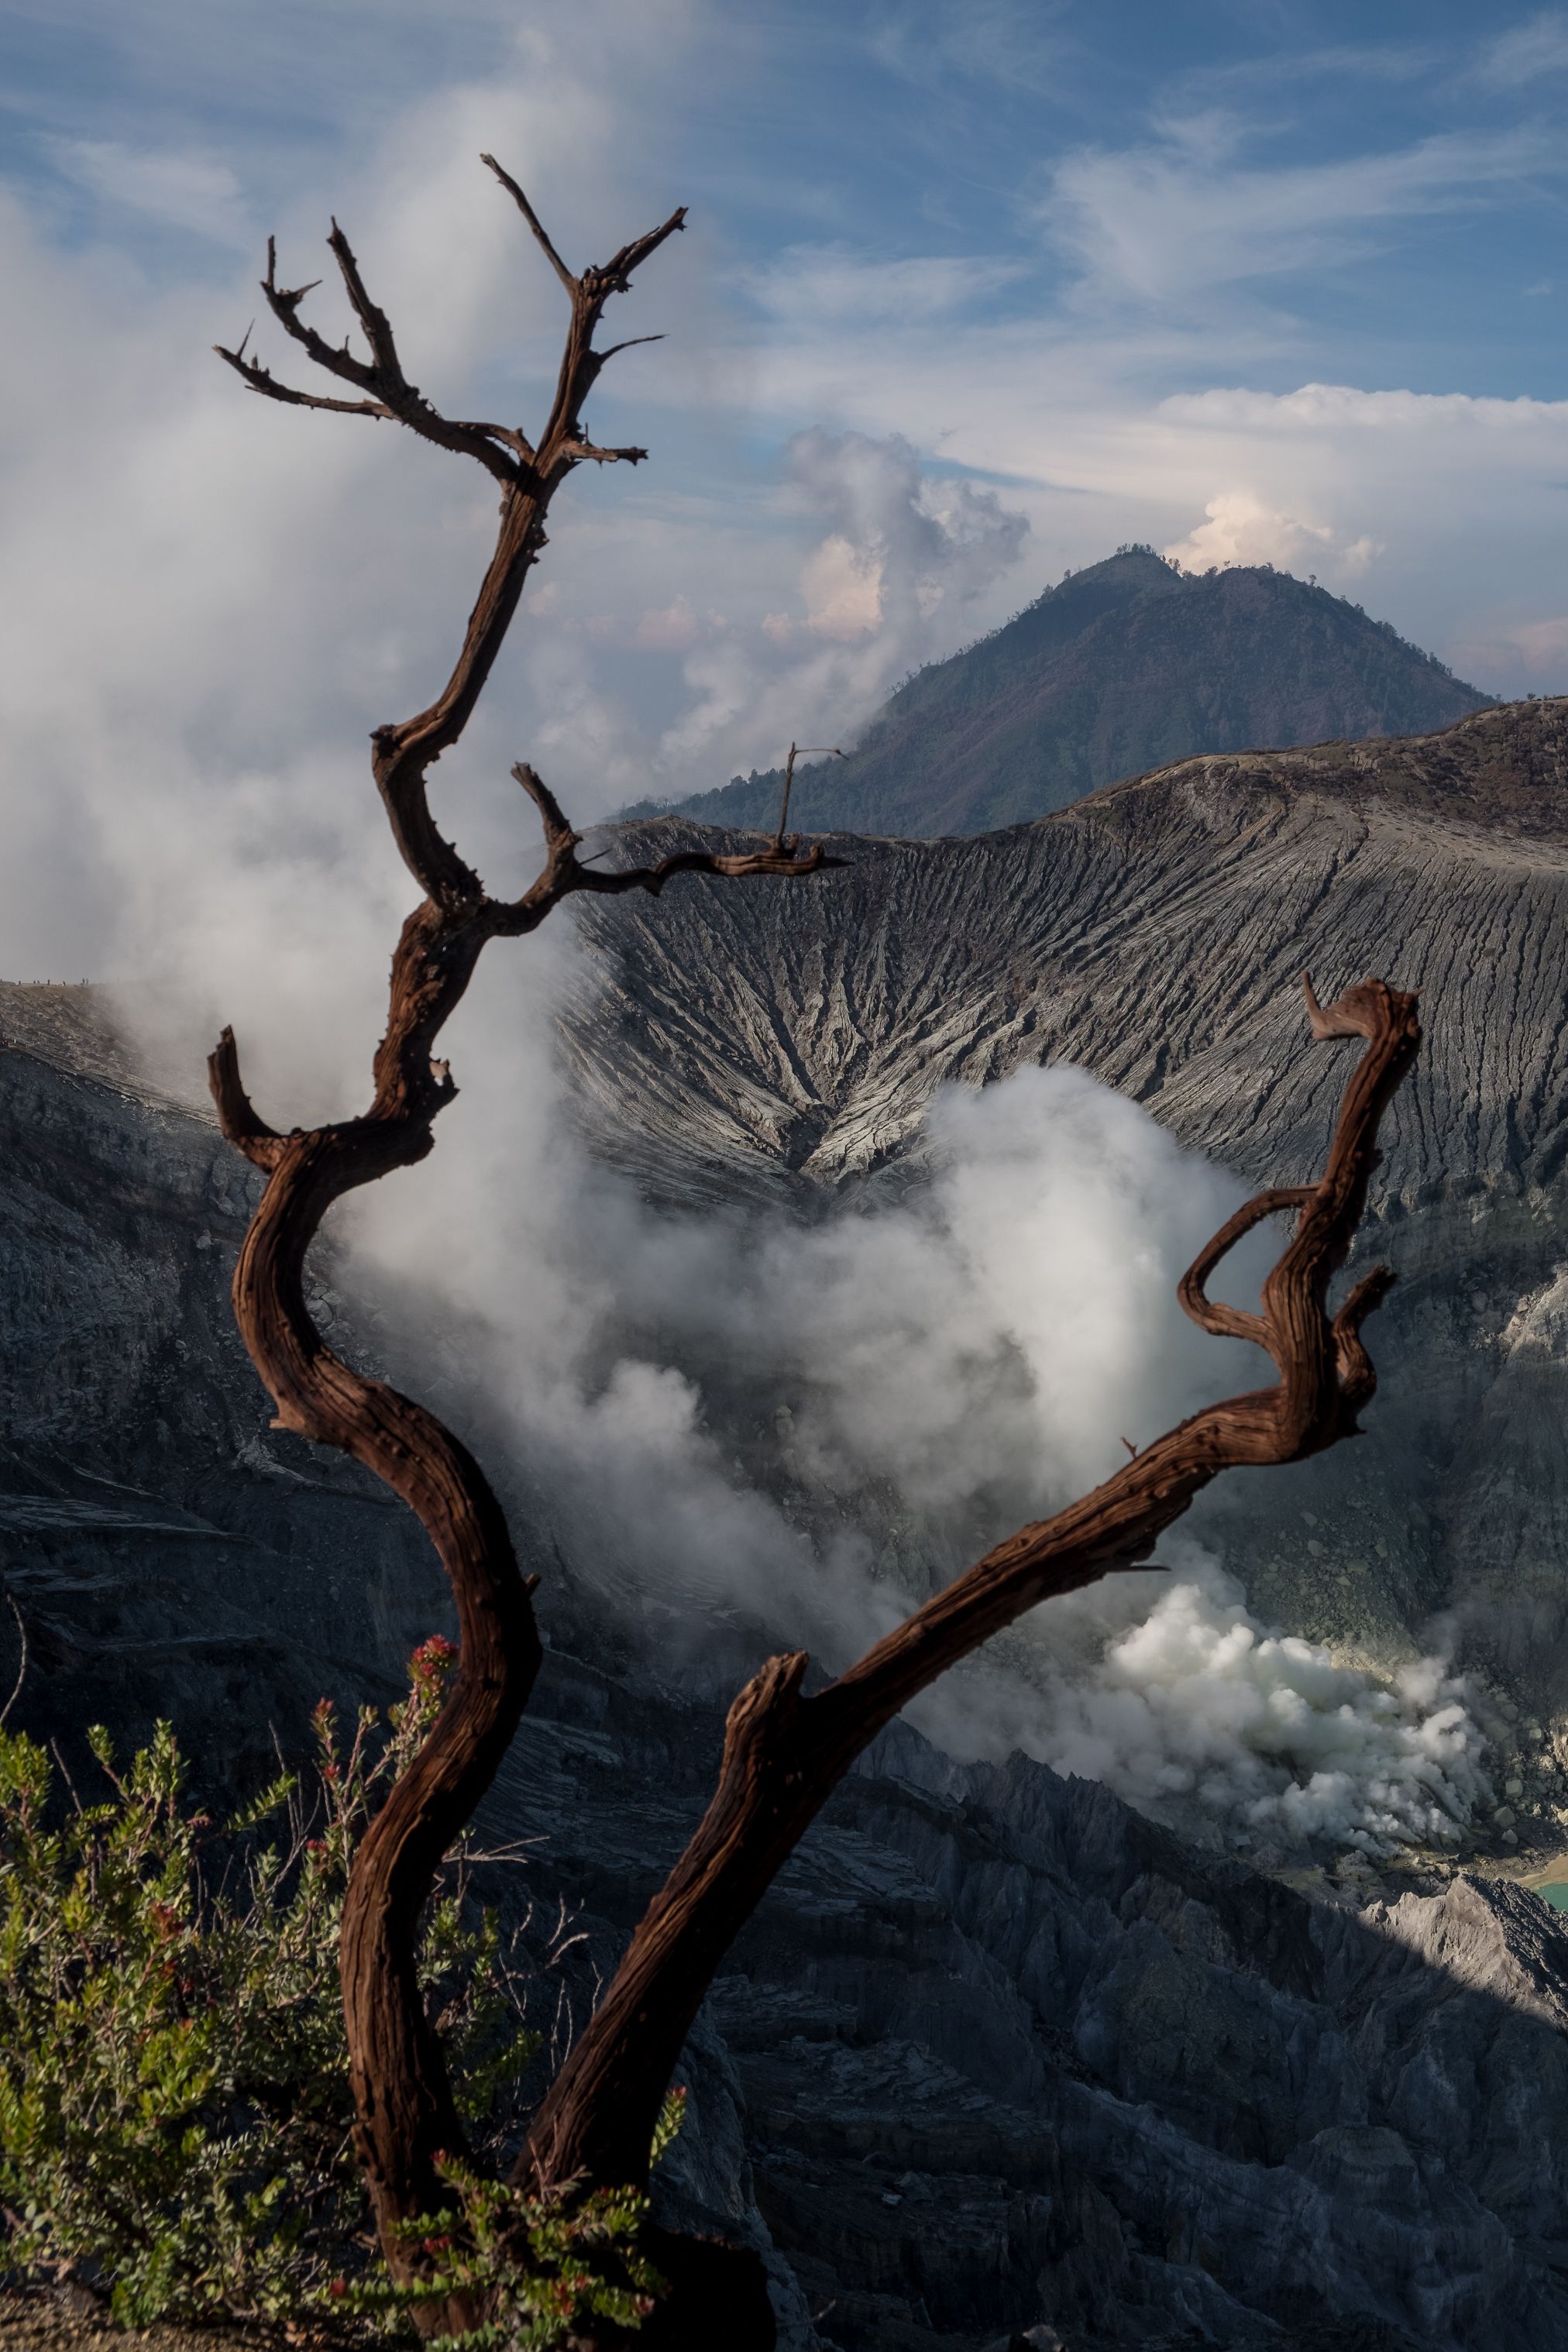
{"x":785,"y":1753}
{"x":785,"y":1750}
{"x":403,"y":2098}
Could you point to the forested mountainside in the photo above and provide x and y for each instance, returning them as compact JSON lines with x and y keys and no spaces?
{"x":1121,"y":668}
{"x":997,"y":2054}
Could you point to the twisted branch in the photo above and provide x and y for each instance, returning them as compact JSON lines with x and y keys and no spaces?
{"x":403,"y":2099}
{"x":784,"y":1753}
{"x":529,"y":473}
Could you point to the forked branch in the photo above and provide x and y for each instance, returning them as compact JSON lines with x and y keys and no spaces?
{"x":528,"y":471}
{"x":403,"y":2102}
{"x":784,"y":1753}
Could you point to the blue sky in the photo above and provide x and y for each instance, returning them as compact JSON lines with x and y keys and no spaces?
{"x":1422,"y":144}
{"x":969,"y":295}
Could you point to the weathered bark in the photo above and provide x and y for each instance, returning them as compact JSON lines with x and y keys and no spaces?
{"x":784,"y":1753}
{"x":402,"y":2095}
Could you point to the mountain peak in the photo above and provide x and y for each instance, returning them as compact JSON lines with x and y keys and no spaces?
{"x":1126,"y":666}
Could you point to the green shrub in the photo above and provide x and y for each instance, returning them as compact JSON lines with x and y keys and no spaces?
{"x":174,"y":2107}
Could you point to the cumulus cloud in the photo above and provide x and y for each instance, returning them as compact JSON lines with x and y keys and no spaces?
{"x":1239,"y":529}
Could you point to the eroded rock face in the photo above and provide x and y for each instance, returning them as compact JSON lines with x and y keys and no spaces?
{"x":998,"y":2053}
{"x":171,"y":1553}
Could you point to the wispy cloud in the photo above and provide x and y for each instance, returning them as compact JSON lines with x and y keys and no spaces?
{"x":816,"y":285}
{"x":1161,"y":221}
{"x":1286,"y":69}
{"x":1522,"y":55}
{"x":1017,"y":43}
{"x":181,"y":189}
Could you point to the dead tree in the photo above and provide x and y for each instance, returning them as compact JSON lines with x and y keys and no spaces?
{"x":401,"y":2092}
{"x":784,"y":1751}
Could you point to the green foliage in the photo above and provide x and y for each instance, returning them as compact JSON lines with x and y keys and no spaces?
{"x":535,"y":2267}
{"x":175,"y":2108}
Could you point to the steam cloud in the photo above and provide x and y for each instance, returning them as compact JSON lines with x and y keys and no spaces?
{"x":741,"y":1435}
{"x":1197,"y":1714}
{"x":904,"y":557}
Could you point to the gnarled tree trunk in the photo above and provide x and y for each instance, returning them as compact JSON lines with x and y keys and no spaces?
{"x":785,"y":1753}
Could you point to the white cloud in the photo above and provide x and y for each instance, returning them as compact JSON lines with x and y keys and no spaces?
{"x":1239,"y":529}
{"x":1160,"y":224}
{"x":1521,"y":56}
{"x":184,"y":189}
{"x":1197,"y":1712}
{"x":673,"y":628}
{"x":817,"y":286}
{"x":904,"y":559}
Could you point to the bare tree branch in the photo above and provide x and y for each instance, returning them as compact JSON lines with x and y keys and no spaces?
{"x":16,"y":1686}
{"x":1223,"y":1322}
{"x":262,"y":379}
{"x":535,"y":224}
{"x":261,"y":1143}
{"x":391,"y":394}
{"x":784,"y":1753}
{"x":374,"y":321}
{"x":402,"y":2095}
{"x":589,"y":453}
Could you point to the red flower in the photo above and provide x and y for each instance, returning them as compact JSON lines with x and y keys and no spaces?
{"x":339,"y":2287}
{"x":432,"y":1661}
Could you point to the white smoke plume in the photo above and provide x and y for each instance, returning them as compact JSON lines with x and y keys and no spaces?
{"x":905,"y":556}
{"x":744,"y":1434}
{"x":1195,"y":1713}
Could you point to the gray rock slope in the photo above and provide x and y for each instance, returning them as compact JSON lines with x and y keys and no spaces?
{"x":762,"y":1043}
{"x":995,"y":2054}
{"x":997,"y":2051}
{"x":169,"y":1552}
